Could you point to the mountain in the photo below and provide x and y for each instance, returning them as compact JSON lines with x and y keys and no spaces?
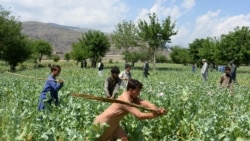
{"x":61,"y":37}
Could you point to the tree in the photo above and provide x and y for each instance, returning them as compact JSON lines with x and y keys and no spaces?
{"x":41,"y":48}
{"x":67,"y":56}
{"x":208,"y":50}
{"x":180,"y":55}
{"x":144,"y":55}
{"x":125,"y":36}
{"x":93,"y":45}
{"x":98,"y":45}
{"x":6,"y":30}
{"x":14,"y":47}
{"x":235,"y":46}
{"x":79,"y":51}
{"x":194,"y":50}
{"x":160,"y":58}
{"x":232,"y":46}
{"x":156,"y":34}
{"x":17,"y":51}
{"x":204,"y":49}
{"x":55,"y":57}
{"x":132,"y":57}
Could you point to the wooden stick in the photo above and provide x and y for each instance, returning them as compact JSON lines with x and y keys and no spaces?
{"x":30,"y":76}
{"x":111,"y":101}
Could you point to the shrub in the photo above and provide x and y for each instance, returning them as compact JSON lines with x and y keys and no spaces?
{"x":55,"y":58}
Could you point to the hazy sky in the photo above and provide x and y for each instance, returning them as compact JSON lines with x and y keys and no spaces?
{"x":194,"y":18}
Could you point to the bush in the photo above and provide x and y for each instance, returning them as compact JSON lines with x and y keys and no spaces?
{"x":55,"y":58}
{"x":67,"y":56}
{"x":161,"y":59}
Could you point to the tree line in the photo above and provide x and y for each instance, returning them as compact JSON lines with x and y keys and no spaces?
{"x":140,"y":42}
{"x":234,"y":46}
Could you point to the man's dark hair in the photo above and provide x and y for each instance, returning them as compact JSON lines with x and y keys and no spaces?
{"x":227,"y":68}
{"x":127,"y":66}
{"x":115,"y":70}
{"x":133,"y":84}
{"x":55,"y":67}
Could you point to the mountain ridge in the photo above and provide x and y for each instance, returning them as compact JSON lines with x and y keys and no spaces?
{"x":61,"y":37}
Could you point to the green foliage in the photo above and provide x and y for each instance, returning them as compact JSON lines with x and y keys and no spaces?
{"x":110,"y":61}
{"x":14,"y":47}
{"x":67,"y":56}
{"x":194,"y":50}
{"x":132,"y":57}
{"x":208,"y":50}
{"x":236,"y":46}
{"x":204,"y":49}
{"x":55,"y":58}
{"x":17,"y":51}
{"x":161,"y":58}
{"x":180,"y":55}
{"x":41,"y":48}
{"x":8,"y":28}
{"x":98,"y":44}
{"x":92,"y":45}
{"x":96,"y":130}
{"x":144,"y":56}
{"x":79,"y":51}
{"x":232,"y":46}
{"x":125,"y":36}
{"x":196,"y":111}
{"x":156,"y":34}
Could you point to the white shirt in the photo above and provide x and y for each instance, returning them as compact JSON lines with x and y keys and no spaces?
{"x":125,"y":75}
{"x":204,"y":68}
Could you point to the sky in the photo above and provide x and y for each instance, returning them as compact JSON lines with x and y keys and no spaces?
{"x":194,"y":19}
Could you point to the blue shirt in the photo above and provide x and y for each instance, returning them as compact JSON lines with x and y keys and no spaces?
{"x":50,"y":86}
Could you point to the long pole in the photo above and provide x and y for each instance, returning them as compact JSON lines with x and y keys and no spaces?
{"x":111,"y":101}
{"x":29,"y":76}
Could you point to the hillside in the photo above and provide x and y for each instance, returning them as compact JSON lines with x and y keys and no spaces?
{"x":61,"y":37}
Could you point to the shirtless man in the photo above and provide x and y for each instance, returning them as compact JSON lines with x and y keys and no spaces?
{"x":116,"y":112}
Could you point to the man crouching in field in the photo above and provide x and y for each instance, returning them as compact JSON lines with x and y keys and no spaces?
{"x":115,"y":112}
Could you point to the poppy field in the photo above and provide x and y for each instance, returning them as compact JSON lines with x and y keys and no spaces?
{"x":197,"y":111}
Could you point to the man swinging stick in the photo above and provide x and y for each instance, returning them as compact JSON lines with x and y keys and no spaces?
{"x":115,"y":112}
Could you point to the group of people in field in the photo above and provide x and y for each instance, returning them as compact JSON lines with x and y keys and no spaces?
{"x":228,"y":77}
{"x":145,"y":68}
{"x":116,"y":111}
{"x":131,"y":91}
